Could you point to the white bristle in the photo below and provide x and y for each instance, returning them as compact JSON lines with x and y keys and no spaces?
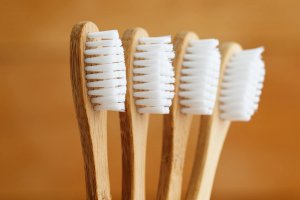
{"x":242,"y":85}
{"x":105,"y":70}
{"x":200,"y":76}
{"x":153,"y":75}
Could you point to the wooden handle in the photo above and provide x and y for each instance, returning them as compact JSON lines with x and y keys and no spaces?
{"x":92,"y":124}
{"x":213,"y":131}
{"x":134,"y":128}
{"x":176,"y":131}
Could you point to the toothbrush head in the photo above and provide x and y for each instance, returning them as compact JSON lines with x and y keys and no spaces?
{"x":105,"y":70}
{"x":199,"y":77}
{"x":153,"y":75}
{"x":242,"y":85}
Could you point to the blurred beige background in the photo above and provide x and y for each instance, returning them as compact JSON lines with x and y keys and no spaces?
{"x":40,"y":154}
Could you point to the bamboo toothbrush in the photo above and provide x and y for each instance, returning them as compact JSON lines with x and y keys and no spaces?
{"x":242,"y":75}
{"x":150,"y":88}
{"x":99,"y":84}
{"x":196,"y":64}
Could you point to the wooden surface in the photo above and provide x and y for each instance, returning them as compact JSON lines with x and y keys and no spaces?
{"x":134,"y":128}
{"x":176,"y":129}
{"x":40,"y":151}
{"x":92,"y":124}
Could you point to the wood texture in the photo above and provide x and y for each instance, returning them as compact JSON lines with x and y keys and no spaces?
{"x":92,"y":124}
{"x":175,"y":131}
{"x":213,"y":131}
{"x":134,"y":128}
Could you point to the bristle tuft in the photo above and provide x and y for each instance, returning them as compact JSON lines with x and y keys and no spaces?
{"x":105,"y":70}
{"x":153,"y":75}
{"x":199,"y":77}
{"x":242,"y":85}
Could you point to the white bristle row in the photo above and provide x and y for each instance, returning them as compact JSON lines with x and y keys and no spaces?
{"x":199,"y":77}
{"x":105,"y":70}
{"x":242,"y":85}
{"x":153,"y":75}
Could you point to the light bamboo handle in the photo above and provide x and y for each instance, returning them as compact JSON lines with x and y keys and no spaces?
{"x":92,"y":124}
{"x":176,"y":131}
{"x":134,"y":128}
{"x":213,"y":131}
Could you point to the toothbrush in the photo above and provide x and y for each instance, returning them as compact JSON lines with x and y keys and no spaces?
{"x":99,"y":85}
{"x":241,"y":78}
{"x":196,"y":64}
{"x":150,"y":90}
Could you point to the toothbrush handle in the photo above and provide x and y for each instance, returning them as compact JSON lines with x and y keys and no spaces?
{"x":208,"y":150}
{"x":213,"y":131}
{"x":175,"y":140}
{"x":134,"y":146}
{"x":94,"y":148}
{"x":134,"y":128}
{"x":176,"y":131}
{"x":92,"y":125}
